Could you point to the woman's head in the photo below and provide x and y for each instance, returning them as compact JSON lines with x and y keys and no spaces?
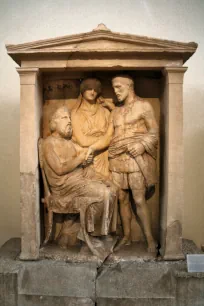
{"x":90,"y":89}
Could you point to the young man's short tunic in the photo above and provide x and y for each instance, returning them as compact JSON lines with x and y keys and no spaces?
{"x":130,"y":128}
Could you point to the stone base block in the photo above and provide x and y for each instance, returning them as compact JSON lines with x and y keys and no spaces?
{"x":35,"y":300}
{"x":48,"y":278}
{"x":135,"y":302}
{"x":50,"y":282}
{"x":137,"y":280}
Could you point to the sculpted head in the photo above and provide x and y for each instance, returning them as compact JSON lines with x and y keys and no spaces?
{"x":60,"y":122}
{"x":90,"y":89}
{"x":123,"y":85}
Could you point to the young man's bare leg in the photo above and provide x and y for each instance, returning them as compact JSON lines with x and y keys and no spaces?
{"x":126,"y":215}
{"x":143,"y":214}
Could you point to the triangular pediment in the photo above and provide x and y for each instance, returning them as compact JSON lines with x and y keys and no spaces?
{"x":101,"y":44}
{"x":101,"y":40}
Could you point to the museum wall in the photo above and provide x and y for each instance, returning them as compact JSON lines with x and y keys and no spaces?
{"x":23,"y":21}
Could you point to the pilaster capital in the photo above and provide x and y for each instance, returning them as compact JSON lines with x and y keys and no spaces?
{"x":28,"y":76}
{"x":174,"y":75}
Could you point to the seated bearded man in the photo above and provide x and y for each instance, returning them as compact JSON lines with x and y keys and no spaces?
{"x":72,"y":190}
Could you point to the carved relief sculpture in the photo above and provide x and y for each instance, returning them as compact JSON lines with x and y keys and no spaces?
{"x":72,"y":191}
{"x":132,"y":137}
{"x":118,"y":143}
{"x":90,"y":122}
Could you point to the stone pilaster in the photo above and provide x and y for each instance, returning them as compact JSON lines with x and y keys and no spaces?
{"x":172,"y":175}
{"x":30,"y":116}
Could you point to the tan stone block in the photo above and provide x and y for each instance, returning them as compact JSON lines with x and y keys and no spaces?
{"x":30,"y":222}
{"x":175,"y":75}
{"x":30,"y":115}
{"x":28,"y":149}
{"x":172,"y":215}
{"x":28,"y":76}
{"x":100,"y":63}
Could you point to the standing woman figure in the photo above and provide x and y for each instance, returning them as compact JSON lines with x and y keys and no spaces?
{"x":90,"y":122}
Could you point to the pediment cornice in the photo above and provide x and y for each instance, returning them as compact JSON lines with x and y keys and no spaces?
{"x":102,"y":40}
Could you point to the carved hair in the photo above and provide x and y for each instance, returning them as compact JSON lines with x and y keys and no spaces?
{"x":129,"y":80}
{"x":90,"y":83}
{"x":86,"y":84}
{"x":56,"y":115}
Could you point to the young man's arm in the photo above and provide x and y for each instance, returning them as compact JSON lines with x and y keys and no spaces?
{"x":150,"y":119}
{"x":152,"y":134}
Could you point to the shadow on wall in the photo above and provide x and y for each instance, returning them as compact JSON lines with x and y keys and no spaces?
{"x":194,"y":163}
{"x":9,"y":170}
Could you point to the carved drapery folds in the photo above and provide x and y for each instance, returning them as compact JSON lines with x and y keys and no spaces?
{"x":59,"y":65}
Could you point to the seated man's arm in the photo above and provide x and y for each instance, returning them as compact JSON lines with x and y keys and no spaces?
{"x":59,"y":167}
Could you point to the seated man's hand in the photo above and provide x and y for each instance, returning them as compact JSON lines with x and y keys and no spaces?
{"x":89,"y":154}
{"x":82,"y":156}
{"x":136,"y":149}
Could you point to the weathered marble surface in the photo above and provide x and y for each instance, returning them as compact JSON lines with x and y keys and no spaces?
{"x":134,"y":282}
{"x":104,"y":50}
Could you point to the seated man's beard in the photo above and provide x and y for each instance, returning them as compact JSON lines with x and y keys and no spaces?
{"x":66,"y":133}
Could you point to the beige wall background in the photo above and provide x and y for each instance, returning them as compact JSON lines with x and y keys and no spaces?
{"x":27,"y":20}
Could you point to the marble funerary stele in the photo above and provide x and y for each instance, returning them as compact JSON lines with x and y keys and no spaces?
{"x":101,"y":146}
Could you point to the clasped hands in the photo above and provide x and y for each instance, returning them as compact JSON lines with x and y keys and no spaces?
{"x":86,"y":156}
{"x":133,"y":149}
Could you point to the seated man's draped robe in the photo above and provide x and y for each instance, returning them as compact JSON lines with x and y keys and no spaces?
{"x":73,"y":192}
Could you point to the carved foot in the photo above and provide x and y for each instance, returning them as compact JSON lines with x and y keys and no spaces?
{"x":122,"y":242}
{"x":152,"y":246}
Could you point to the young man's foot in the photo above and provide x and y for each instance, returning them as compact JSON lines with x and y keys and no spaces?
{"x":122,"y":242}
{"x":151,"y":246}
